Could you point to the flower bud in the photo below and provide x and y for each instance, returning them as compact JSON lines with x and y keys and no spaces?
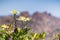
{"x":14,"y":11}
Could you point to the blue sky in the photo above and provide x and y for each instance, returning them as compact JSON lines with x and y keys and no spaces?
{"x":51,"y":6}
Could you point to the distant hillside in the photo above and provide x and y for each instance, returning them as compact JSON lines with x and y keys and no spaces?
{"x":41,"y":22}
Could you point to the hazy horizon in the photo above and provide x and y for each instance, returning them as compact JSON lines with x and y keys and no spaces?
{"x":51,"y":6}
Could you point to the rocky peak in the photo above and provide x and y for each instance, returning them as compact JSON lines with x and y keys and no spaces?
{"x":25,"y":13}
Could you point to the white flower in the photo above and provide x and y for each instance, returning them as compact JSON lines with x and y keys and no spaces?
{"x":4,"y":26}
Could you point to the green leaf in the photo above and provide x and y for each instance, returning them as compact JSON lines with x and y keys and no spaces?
{"x":42,"y":35}
{"x":32,"y":34}
{"x":37,"y":36}
{"x":25,"y":30}
{"x":10,"y":27}
{"x":25,"y":38}
{"x":16,"y":31}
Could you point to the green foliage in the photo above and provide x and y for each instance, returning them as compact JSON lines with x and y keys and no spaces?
{"x":18,"y":33}
{"x":56,"y":37}
{"x":59,"y":36}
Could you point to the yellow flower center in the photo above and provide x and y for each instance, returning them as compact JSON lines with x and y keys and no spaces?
{"x":14,"y":11}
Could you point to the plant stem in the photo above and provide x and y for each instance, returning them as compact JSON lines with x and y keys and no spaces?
{"x":22,"y":25}
{"x":15,"y":20}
